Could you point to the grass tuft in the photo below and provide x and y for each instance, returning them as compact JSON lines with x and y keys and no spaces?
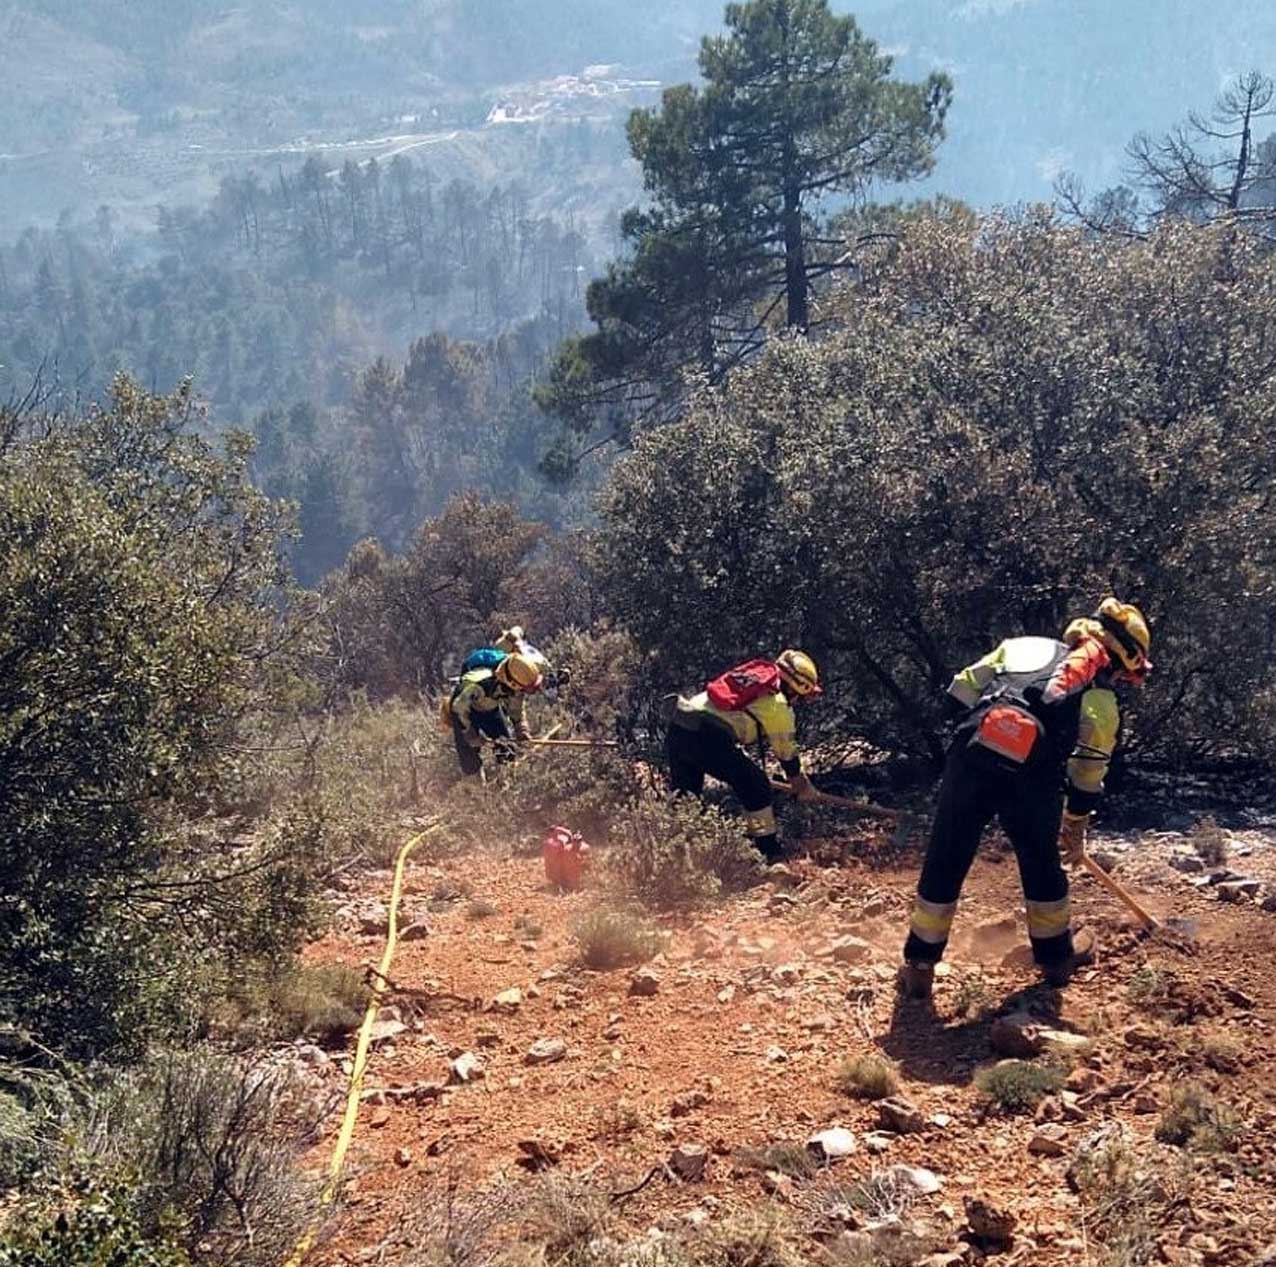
{"x":870,"y":1077}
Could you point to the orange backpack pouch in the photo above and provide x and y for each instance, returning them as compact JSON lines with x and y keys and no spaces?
{"x":1009,"y":732}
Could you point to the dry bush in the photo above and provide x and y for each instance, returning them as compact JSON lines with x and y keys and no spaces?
{"x":1211,"y":842}
{"x":869,"y":1076}
{"x":1196,"y":1120}
{"x":785,"y":1158}
{"x":617,"y":1120}
{"x":613,"y":939}
{"x":566,"y":1218}
{"x":1222,"y":1053}
{"x":323,"y":1002}
{"x":450,"y":1227}
{"x":480,"y":908}
{"x":1017,"y":1086}
{"x":674,"y":852}
{"x":206,"y":1139}
{"x":747,"y":1236}
{"x":1125,"y":1196}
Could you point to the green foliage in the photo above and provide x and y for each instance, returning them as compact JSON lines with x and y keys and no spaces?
{"x":139,"y":583}
{"x":101,"y":1227}
{"x":1016,"y":1086}
{"x":995,"y":431}
{"x":671,"y":853}
{"x":613,"y":939}
{"x":871,"y":1077}
{"x":797,"y":105}
{"x":1196,"y":1120}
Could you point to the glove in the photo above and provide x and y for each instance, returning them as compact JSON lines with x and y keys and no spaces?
{"x":1072,"y":838}
{"x":472,"y":737}
{"x":803,"y":788}
{"x":522,"y":732}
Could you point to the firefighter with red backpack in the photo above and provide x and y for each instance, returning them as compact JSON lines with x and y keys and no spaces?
{"x":750,"y":704}
{"x":1032,"y":710}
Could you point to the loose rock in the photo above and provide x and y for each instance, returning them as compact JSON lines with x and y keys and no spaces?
{"x":688,"y":1103}
{"x":546,"y":1051}
{"x":689,"y":1162}
{"x":1050,"y":1140}
{"x":833,"y":1144}
{"x":850,"y":949}
{"x":990,"y":1225}
{"x":900,"y":1115}
{"x":467,"y":1067}
{"x":508,"y":1000}
{"x":644,"y":983}
{"x":922,"y":1181}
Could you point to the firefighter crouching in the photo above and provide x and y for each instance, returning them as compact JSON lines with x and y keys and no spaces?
{"x":750,"y":704}
{"x":489,"y":704}
{"x":1033,"y":707}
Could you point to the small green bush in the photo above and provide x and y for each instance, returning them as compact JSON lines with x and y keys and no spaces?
{"x":613,"y":939}
{"x":101,"y":1229}
{"x":1016,"y":1086}
{"x":1194,"y":1119}
{"x":1222,"y":1053}
{"x":672,"y":853}
{"x":871,"y":1077}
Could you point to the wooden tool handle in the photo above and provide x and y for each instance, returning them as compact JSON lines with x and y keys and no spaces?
{"x":1120,"y":892}
{"x":867,"y":808}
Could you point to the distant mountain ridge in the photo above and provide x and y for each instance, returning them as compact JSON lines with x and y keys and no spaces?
{"x":134,"y":102}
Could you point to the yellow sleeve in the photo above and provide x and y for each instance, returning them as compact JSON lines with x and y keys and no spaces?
{"x":774,"y":716}
{"x":463,"y":703}
{"x":1096,"y":741}
{"x":968,"y":685}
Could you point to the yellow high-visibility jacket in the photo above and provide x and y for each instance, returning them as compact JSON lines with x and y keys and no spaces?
{"x":1099,"y":721}
{"x":480,"y":692}
{"x":770,"y":718}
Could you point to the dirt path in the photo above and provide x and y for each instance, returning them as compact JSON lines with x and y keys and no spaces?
{"x":752,"y":1015}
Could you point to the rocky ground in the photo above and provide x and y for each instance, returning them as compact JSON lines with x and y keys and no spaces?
{"x":714,"y":1072}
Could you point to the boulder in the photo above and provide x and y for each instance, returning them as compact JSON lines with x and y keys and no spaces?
{"x":922,"y":1181}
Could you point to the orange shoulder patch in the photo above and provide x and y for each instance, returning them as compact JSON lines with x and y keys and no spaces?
{"x":1077,"y":670}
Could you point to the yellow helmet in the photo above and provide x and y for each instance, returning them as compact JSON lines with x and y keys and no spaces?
{"x":1125,"y":634}
{"x":1122,"y":629}
{"x":799,"y":672}
{"x":519,"y":673}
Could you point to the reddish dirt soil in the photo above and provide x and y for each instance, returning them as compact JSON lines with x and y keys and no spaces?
{"x":722,"y":1006}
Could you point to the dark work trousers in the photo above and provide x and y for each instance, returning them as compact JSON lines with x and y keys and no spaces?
{"x":710,"y":750}
{"x":1029,"y":805}
{"x":495,"y":725}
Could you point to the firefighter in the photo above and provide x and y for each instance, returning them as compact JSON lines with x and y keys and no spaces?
{"x":750,"y":704}
{"x":1033,"y":711}
{"x":489,"y":704}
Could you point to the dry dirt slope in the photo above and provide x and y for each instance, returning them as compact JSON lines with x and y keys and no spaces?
{"x":757,"y":1003}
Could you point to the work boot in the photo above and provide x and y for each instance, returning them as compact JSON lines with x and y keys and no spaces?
{"x":1059,"y":974}
{"x":916,"y":980}
{"x":770,"y":848}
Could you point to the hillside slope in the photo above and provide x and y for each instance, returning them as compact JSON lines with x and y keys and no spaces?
{"x":734,"y":1044}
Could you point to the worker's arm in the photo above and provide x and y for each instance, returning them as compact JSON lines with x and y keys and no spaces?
{"x":778,"y":726}
{"x":463,"y":705}
{"x":968,"y":685}
{"x":516,"y":709}
{"x":1096,"y":741}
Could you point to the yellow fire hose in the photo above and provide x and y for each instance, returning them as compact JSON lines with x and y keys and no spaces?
{"x":362,"y":1048}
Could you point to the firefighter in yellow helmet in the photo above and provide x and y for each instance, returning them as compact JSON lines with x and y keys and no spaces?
{"x":1039,"y":723}
{"x":750,"y":704}
{"x":489,"y":705}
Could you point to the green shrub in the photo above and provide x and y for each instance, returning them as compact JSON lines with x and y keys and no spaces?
{"x":1194,"y":1119}
{"x":671,"y":853}
{"x":871,"y":1077}
{"x":1016,"y":1086}
{"x":614,"y":939}
{"x":102,"y":1228}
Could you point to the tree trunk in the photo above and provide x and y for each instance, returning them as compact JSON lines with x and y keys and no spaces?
{"x":795,"y":283}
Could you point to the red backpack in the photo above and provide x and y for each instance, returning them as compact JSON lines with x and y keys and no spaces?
{"x":737,"y":688}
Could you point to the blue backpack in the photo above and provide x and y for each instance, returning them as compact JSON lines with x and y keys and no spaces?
{"x":483,"y":658}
